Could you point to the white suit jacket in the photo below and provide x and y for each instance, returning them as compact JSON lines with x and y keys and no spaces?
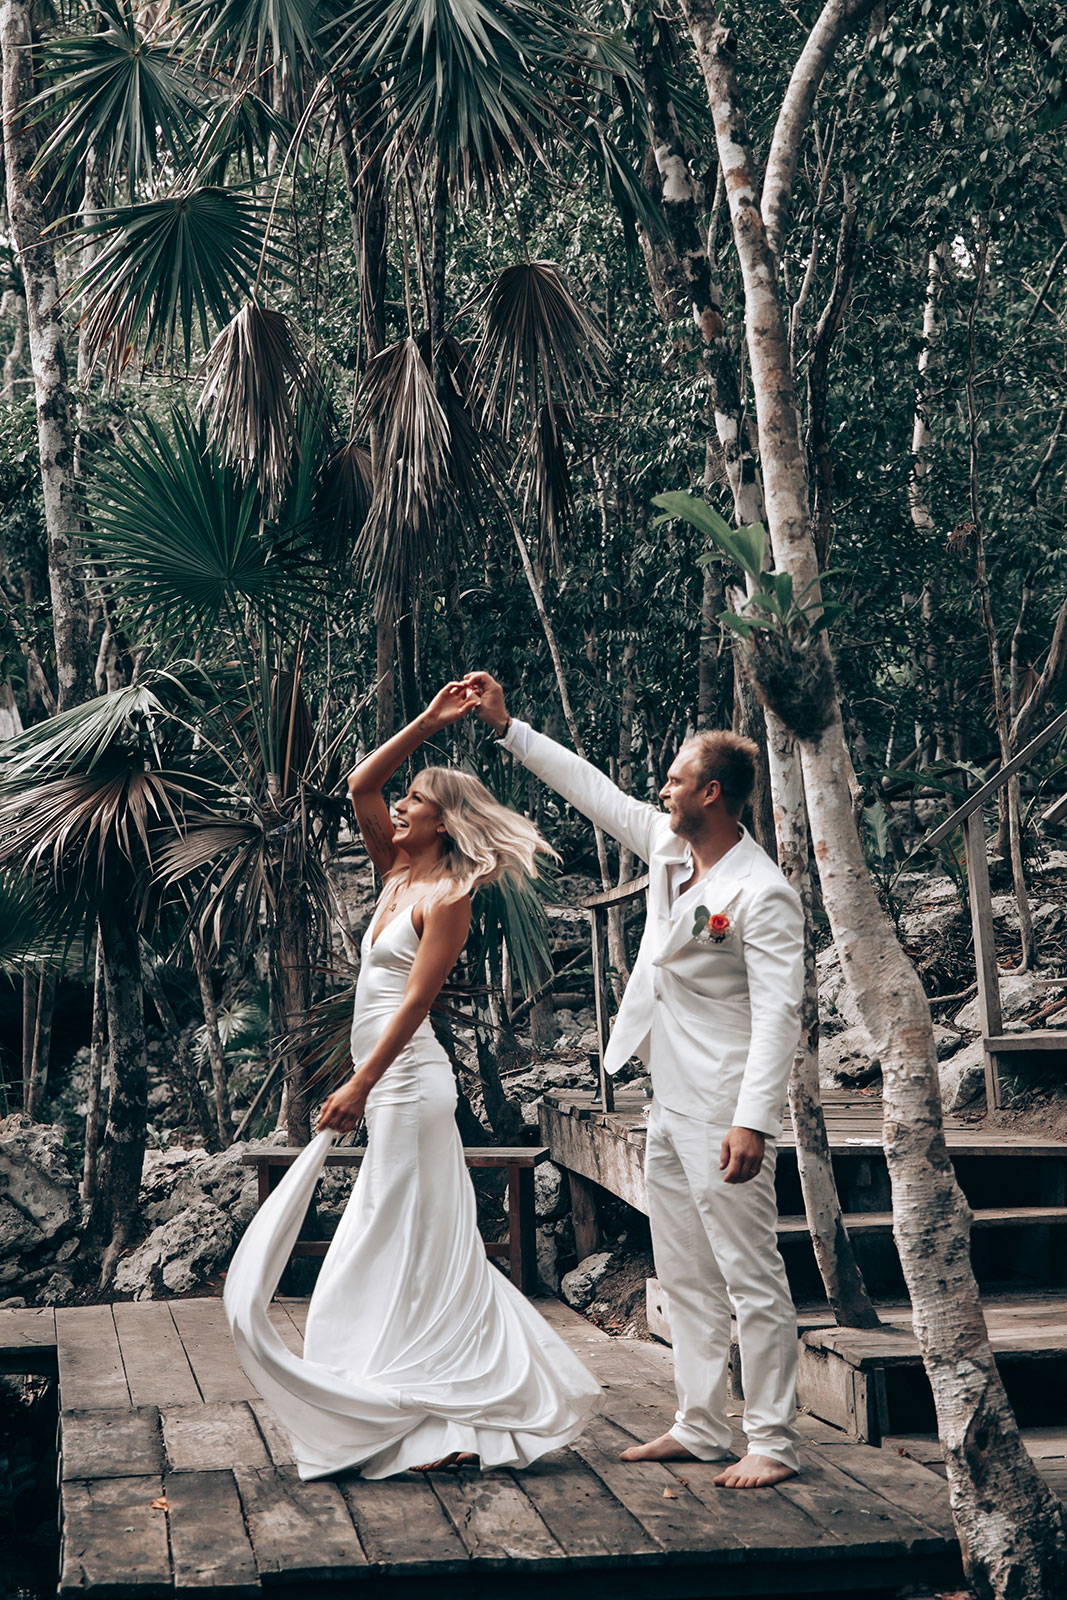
{"x":716,"y":1022}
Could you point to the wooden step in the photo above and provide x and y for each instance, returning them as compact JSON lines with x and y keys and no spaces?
{"x":871,"y":1382}
{"x":881,"y":1222}
{"x":1047,"y":1448}
{"x":1043,"y":1039}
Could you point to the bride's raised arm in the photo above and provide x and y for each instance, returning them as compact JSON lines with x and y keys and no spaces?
{"x":367,"y":781}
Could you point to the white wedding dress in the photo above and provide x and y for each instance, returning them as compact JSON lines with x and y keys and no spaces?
{"x":416,"y":1346}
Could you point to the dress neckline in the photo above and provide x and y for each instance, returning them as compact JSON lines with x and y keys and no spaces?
{"x":377,"y":932}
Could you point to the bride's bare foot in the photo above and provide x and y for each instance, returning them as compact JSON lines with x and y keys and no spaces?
{"x":665,"y":1448}
{"x":458,"y":1458}
{"x":754,"y":1472}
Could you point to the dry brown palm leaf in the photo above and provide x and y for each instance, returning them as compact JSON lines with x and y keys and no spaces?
{"x":542,"y":363}
{"x":539,"y":347}
{"x":399,"y":402}
{"x":255,"y":376}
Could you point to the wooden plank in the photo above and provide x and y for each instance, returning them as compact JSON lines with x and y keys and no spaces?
{"x":212,"y":1437}
{"x":493,"y":1517}
{"x":275,"y":1437}
{"x":91,"y":1374}
{"x":581,"y":1512}
{"x":491,"y":1156}
{"x":617,"y":895}
{"x":875,"y":1222}
{"x":208,"y":1344}
{"x":209,"y":1542}
{"x":985,"y":952}
{"x":113,"y":1542}
{"x":27,"y":1327}
{"x":990,"y":787}
{"x":600,"y":1155}
{"x":110,"y":1444}
{"x":153,"y":1357}
{"x":852,"y":1517}
{"x":570,"y":1324}
{"x":300,"y":1532}
{"x":669,"y":1512}
{"x":1038,"y":1039}
{"x":899,"y":1480}
{"x":285,"y":1327}
{"x":403,"y":1526}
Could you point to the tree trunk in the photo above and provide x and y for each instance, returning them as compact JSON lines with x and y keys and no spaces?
{"x":96,"y":1100}
{"x":215,"y":1055}
{"x":291,"y":956}
{"x":41,"y":1048}
{"x":183,"y":1060}
{"x":1010,"y":798}
{"x":681,"y":201}
{"x":834,"y":1255}
{"x":1009,"y":1525}
{"x":115,"y":1210}
{"x":55,"y":419}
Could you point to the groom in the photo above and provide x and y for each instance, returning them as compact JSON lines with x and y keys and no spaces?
{"x":713,"y":1007}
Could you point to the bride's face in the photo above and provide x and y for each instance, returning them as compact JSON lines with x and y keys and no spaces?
{"x":417,"y":824}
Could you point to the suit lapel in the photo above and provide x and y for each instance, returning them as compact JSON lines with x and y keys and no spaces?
{"x":724,"y":891}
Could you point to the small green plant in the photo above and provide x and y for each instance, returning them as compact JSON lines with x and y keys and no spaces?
{"x":780,"y":628}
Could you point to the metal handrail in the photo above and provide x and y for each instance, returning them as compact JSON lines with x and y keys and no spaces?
{"x":597,"y":907}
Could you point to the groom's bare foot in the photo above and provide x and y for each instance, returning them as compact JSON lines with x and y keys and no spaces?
{"x":665,"y":1448}
{"x":458,"y":1458}
{"x":754,"y":1472}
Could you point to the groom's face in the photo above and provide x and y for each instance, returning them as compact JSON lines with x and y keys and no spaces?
{"x":685,"y":798}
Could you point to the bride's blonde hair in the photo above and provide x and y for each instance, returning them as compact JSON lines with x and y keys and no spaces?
{"x":484,"y":841}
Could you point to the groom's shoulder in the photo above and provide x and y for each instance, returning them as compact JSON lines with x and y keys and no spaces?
{"x":765,"y":876}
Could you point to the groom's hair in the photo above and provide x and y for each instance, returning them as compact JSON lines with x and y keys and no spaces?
{"x":727,"y":759}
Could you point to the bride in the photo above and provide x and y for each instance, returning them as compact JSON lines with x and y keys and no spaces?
{"x":418,"y":1353}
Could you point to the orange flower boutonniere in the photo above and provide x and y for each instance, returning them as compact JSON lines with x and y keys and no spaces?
{"x":710,"y":926}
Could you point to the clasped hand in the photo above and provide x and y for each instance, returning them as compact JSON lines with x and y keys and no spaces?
{"x":344,"y":1108}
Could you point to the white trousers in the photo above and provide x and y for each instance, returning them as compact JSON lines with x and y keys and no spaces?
{"x":716,"y":1244}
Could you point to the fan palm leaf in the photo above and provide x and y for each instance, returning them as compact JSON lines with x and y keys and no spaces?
{"x":399,"y":401}
{"x":183,"y":533}
{"x":166,"y":270}
{"x":237,"y":131}
{"x":542,"y":362}
{"x":77,"y":739}
{"x":259,"y":32}
{"x":36,"y":927}
{"x":255,"y":375}
{"x":478,"y":85}
{"x":121,"y":95}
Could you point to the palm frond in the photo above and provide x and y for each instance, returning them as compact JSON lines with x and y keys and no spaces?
{"x":36,"y":927}
{"x":85,"y":827}
{"x":237,"y":131}
{"x":512,"y":914}
{"x":539,"y":347}
{"x":399,"y":400}
{"x":255,"y":375}
{"x":167,"y":269}
{"x":256,"y":32}
{"x":542,"y":362}
{"x":122,"y":95}
{"x":183,"y":534}
{"x":77,"y":739}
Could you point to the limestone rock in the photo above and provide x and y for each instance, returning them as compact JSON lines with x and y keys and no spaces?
{"x":579,"y":1287}
{"x":962,"y":1077}
{"x":550,"y":1193}
{"x":178,"y":1254}
{"x":847,"y":1059}
{"x":547,"y":1245}
{"x":39,"y":1207}
{"x":1020,"y":993}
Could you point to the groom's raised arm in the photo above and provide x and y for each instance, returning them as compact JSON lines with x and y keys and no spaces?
{"x":634,"y":823}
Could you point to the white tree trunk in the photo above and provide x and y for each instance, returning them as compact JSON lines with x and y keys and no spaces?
{"x":55,"y":420}
{"x":1009,"y":1525}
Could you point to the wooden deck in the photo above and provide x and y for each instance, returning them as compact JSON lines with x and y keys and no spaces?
{"x":174,"y":1477}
